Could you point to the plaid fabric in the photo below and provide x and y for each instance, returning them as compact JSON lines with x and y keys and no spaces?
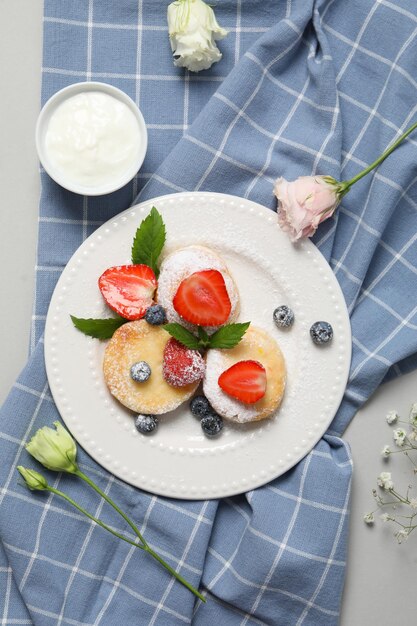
{"x":303,"y":87}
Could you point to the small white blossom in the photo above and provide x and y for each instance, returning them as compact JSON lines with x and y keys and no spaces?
{"x":413,"y":435}
{"x":413,"y":503}
{"x":392,"y":417}
{"x":193,"y":31}
{"x":401,"y":535}
{"x":399,"y":436}
{"x":368,"y":518}
{"x":384,"y":481}
{"x":413,"y":414}
{"x":386,"y":451}
{"x":385,"y":517}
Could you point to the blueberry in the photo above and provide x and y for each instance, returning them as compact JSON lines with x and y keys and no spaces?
{"x":140,"y":371}
{"x":155,"y":315}
{"x":200,"y":406}
{"x":212,"y":424}
{"x":283,"y":316}
{"x":321,"y":333}
{"x":146,"y":424}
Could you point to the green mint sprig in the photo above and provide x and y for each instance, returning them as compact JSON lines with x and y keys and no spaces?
{"x":149,"y":241}
{"x":98,"y":328}
{"x":227,"y":336}
{"x":147,"y":246}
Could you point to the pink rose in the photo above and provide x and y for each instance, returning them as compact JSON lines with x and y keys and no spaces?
{"x":304,"y":203}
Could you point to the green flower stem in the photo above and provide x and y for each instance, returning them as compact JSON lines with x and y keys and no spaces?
{"x":174,"y":573}
{"x":94,"y":519}
{"x":347,"y":184}
{"x":145,"y":547}
{"x":92,"y":484}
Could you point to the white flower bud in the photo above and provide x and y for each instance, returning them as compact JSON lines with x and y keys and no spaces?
{"x":392,"y":417}
{"x":386,"y":451}
{"x":368,"y":518}
{"x":384,"y":481}
{"x":33,"y":479}
{"x":193,"y":30}
{"x":399,"y":437}
{"x":401,"y":535}
{"x":55,"y":449}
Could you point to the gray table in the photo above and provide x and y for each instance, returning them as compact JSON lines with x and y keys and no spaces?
{"x":379,"y":571}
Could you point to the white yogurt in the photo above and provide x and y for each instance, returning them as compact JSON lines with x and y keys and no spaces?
{"x":92,"y":139}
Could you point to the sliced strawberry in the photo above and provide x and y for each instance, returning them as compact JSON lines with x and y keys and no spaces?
{"x":182,"y":366}
{"x":202,"y":299}
{"x":128,"y":289}
{"x":245,"y":381}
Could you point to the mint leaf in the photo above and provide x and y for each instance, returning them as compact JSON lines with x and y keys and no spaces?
{"x":228,"y":336}
{"x":182,"y":335}
{"x":100,"y":329}
{"x":149,"y":241}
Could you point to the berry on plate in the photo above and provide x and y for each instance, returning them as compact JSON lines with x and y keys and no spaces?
{"x":146,"y":424}
{"x":181,"y":365}
{"x":212,"y":424}
{"x":245,"y":381}
{"x":283,"y":316}
{"x":202,"y":299}
{"x":200,"y":406}
{"x":128,"y":289}
{"x":321,"y":333}
{"x":140,"y":372}
{"x":156,"y":315}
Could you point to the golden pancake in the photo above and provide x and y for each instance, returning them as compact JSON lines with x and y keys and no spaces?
{"x":139,"y":341}
{"x":178,"y":266}
{"x":256,"y":345}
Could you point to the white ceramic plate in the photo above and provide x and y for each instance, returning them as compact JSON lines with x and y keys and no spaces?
{"x":178,"y":460}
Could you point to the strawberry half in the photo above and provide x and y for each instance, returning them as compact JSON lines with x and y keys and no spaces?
{"x":181,"y":365}
{"x":128,"y":289}
{"x":245,"y":381}
{"x":202,"y":299}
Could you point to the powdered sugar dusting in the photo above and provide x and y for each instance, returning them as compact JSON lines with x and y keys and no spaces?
{"x":180,"y":265}
{"x":222,"y":403}
{"x":182,"y":366}
{"x":138,"y":341}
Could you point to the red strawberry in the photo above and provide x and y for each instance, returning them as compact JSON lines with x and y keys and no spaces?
{"x":128,"y":289}
{"x":182,"y":366}
{"x":202,"y":299}
{"x":245,"y":381}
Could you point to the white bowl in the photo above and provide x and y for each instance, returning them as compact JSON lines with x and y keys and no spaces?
{"x":58,"y":175}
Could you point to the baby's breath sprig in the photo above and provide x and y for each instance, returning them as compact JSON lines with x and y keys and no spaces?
{"x":405,"y":440}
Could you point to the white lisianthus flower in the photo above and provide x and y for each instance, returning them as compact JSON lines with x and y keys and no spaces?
{"x":392,"y":417}
{"x":384,"y":481}
{"x":368,"y":518}
{"x":55,"y":449}
{"x":399,"y":436}
{"x":193,"y":31}
{"x":386,"y":451}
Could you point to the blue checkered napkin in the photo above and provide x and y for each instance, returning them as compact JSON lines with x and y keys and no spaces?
{"x":321,"y":87}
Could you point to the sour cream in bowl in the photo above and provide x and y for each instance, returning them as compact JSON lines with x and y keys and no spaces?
{"x":91,"y":138}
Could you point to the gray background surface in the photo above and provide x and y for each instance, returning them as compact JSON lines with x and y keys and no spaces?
{"x":379,"y":571}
